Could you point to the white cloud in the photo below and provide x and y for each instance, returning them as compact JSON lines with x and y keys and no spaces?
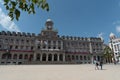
{"x":100,"y":35}
{"x":117,"y":25}
{"x":6,"y":22}
{"x":118,"y":28}
{"x":1,"y":2}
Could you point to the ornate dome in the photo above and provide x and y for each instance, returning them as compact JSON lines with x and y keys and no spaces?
{"x":48,"y":20}
{"x":112,"y":36}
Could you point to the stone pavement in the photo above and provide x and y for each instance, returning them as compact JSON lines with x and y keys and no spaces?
{"x":59,"y":72}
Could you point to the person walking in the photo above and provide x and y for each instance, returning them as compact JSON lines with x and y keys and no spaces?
{"x":96,"y":65}
{"x":101,"y":64}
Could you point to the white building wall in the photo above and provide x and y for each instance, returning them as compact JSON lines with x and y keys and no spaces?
{"x":114,"y":44}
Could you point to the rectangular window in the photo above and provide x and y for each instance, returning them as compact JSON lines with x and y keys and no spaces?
{"x":27,"y":47}
{"x":44,"y":47}
{"x":0,"y":46}
{"x":22,"y":41}
{"x":38,"y":47}
{"x":59,"y":47}
{"x":115,"y":47}
{"x":1,"y":40}
{"x":6,"y":40}
{"x":16,"y":47}
{"x":21,"y":47}
{"x":32,"y":47}
{"x":17,"y":41}
{"x":11,"y":40}
{"x":118,"y":47}
{"x":11,"y":46}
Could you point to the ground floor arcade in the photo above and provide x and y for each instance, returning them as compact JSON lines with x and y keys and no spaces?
{"x":39,"y":57}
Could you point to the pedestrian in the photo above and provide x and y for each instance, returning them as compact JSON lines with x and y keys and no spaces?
{"x":96,"y":65}
{"x":101,"y":64}
{"x":114,"y":61}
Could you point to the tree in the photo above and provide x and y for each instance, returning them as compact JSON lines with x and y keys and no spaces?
{"x":14,"y":7}
{"x":108,"y":54}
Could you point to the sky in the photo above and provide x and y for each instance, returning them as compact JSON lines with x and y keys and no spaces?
{"x":81,"y":18}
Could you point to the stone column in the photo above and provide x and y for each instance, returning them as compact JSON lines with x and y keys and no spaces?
{"x":11,"y":55}
{"x":52,"y":57}
{"x":34,"y":57}
{"x":0,"y":58}
{"x":17,"y":58}
{"x":51,"y":44}
{"x":40,"y":57}
{"x":47,"y":57}
{"x":23,"y":57}
{"x":61,"y":45}
{"x":58,"y":56}
{"x":56,"y":44}
{"x":63,"y":57}
{"x":91,"y":52}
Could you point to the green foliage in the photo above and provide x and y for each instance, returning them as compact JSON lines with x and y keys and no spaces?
{"x":108,"y":53}
{"x":15,"y":6}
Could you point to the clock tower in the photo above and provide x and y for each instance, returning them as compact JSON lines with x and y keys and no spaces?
{"x":49,"y":24}
{"x":49,"y":31}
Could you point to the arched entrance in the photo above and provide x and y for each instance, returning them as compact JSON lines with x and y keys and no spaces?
{"x":50,"y":57}
{"x":15,"y":56}
{"x":20,"y":56}
{"x":31,"y":57}
{"x":3,"y":56}
{"x":61,"y":57}
{"x":55,"y":57}
{"x":44,"y":57}
{"x":81,"y":58}
{"x":38,"y":57}
{"x":26,"y":56}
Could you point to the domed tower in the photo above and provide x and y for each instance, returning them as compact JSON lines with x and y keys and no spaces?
{"x":112,"y":36}
{"x":49,"y":31}
{"x":49,"y":24}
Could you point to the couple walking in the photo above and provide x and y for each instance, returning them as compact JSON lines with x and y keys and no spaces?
{"x":97,"y":63}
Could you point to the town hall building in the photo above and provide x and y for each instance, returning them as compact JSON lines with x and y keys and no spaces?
{"x":48,"y":47}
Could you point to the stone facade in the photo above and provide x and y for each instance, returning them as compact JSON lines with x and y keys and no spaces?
{"x":48,"y":48}
{"x":114,"y":44}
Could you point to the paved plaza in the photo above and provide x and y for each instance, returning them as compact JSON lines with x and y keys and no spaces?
{"x":59,"y":72}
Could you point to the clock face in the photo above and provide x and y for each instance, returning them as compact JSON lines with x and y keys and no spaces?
{"x":49,"y":27}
